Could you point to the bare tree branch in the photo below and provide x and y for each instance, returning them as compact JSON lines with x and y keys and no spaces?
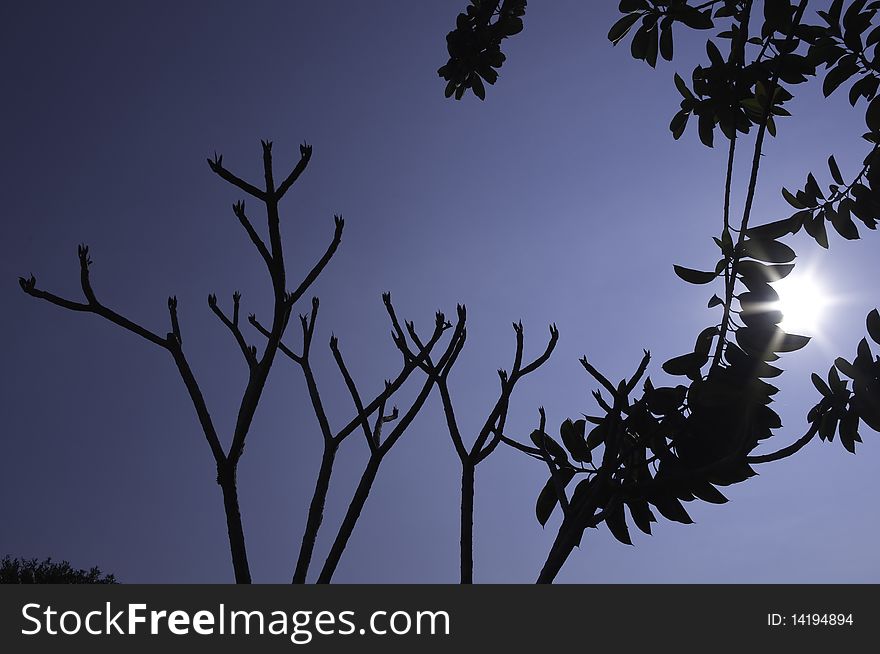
{"x":175,"y":324}
{"x":92,"y":305}
{"x":238,"y":210}
{"x":495,"y":421}
{"x":305,"y":153}
{"x":355,"y":396}
{"x":252,"y":319}
{"x":598,"y":376}
{"x":232,"y":325}
{"x":293,"y":297}
{"x":216,"y":164}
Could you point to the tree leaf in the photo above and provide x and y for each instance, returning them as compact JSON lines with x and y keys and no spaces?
{"x":572,"y":434}
{"x":678,"y":123}
{"x":622,"y":27}
{"x":616,"y":523}
{"x":838,"y":75}
{"x":695,"y":19}
{"x":873,"y":323}
{"x":707,"y":492}
{"x":835,"y":171}
{"x":776,"y":229}
{"x":792,"y":200}
{"x":670,"y":508}
{"x":815,"y":227}
{"x":651,"y":49}
{"x":544,"y":441}
{"x":849,"y":429}
{"x":666,"y":47}
{"x":477,"y":86}
{"x":845,"y":367}
{"x":757,"y":275}
{"x":706,"y":128}
{"x":843,"y":224}
{"x":790,"y":343}
{"x":704,"y":340}
{"x":768,"y":250}
{"x":641,"y":514}
{"x":548,"y":499}
{"x":682,"y":87}
{"x":693,"y":276}
{"x":639,"y":45}
{"x":872,"y":115}
{"x":686,"y":364}
{"x":820,"y":385}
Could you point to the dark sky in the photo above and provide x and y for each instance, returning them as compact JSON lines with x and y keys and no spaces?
{"x":561,"y":198}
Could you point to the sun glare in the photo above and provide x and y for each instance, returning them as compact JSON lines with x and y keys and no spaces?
{"x":802,"y":301}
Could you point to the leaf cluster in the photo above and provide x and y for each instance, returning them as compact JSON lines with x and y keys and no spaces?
{"x":474,"y":45}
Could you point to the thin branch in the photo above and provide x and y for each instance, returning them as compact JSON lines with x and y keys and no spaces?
{"x":292,"y":298}
{"x":410,"y":364}
{"x":791,"y":449}
{"x":640,"y":371}
{"x":495,"y":420}
{"x":728,"y":281}
{"x":355,"y":396}
{"x":175,"y":324}
{"x":416,"y":406}
{"x":308,"y":329}
{"x":558,"y":486}
{"x":526,"y":449}
{"x":541,"y":360}
{"x":274,"y":221}
{"x":238,"y":210}
{"x":92,"y":306}
{"x":252,"y":319}
{"x":598,"y":376}
{"x":451,"y":422}
{"x":199,"y":403}
{"x":381,"y":419}
{"x":232,"y":326}
{"x":216,"y":164}
{"x":305,"y":153}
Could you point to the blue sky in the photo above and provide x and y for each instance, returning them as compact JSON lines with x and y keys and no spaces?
{"x":561,"y":198}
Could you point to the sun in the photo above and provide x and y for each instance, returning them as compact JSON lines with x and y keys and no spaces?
{"x":802,"y":301}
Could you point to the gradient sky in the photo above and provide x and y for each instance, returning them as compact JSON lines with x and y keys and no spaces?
{"x":561,"y":198}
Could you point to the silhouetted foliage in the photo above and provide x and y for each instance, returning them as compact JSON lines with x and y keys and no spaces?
{"x":475,"y":44}
{"x":33,"y":571}
{"x":678,"y":443}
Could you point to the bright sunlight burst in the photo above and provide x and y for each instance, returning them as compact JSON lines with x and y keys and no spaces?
{"x":802,"y":301}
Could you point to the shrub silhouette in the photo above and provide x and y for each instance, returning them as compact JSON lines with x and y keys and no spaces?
{"x":33,"y":571}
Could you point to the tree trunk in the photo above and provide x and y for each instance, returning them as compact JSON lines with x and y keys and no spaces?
{"x":467,"y":522}
{"x":316,"y":515}
{"x":351,"y":518}
{"x":562,"y":548}
{"x":234,"y":529}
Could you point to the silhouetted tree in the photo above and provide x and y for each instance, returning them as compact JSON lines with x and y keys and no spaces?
{"x":259,"y":365}
{"x":33,"y":571}
{"x":678,"y":443}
